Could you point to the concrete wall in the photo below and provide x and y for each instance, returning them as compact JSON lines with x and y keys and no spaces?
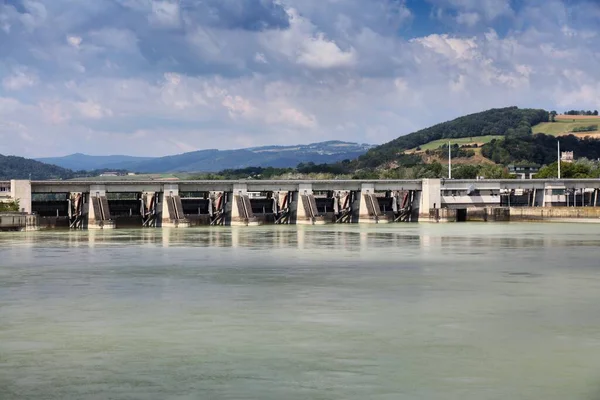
{"x":431,"y":197}
{"x":471,"y":214}
{"x":21,"y":190}
{"x":555,"y":214}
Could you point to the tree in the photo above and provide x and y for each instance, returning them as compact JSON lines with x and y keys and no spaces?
{"x":465,"y":172}
{"x":567,"y":171}
{"x":552,"y":116}
{"x":596,"y":112}
{"x":12,"y":206}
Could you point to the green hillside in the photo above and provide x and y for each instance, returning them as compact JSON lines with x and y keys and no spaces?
{"x":564,"y":126}
{"x":12,"y":167}
{"x":494,"y":122}
{"x":460,"y":141}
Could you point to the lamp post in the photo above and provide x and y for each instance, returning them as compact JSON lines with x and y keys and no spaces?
{"x":449,"y":161}
{"x":558,"y":142}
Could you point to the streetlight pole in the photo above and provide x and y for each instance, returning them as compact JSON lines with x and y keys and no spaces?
{"x":449,"y":161}
{"x":558,"y":142}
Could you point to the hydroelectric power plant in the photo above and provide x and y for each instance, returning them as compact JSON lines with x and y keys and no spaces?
{"x":112,"y":204}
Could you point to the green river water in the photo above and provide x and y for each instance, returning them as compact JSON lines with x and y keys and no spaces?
{"x":404,"y":311}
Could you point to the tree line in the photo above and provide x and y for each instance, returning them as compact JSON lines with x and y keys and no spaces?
{"x":581,"y":112}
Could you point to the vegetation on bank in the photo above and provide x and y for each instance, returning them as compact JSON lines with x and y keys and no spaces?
{"x":587,"y":128}
{"x":11,"y":206}
{"x":467,"y":141}
{"x":581,"y":112}
{"x":539,"y":149}
{"x":13,"y":167}
{"x":580,"y":169}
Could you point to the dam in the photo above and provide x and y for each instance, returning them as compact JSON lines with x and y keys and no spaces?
{"x":108,"y":204}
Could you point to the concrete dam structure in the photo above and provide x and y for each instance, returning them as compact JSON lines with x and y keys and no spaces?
{"x":115,"y":204}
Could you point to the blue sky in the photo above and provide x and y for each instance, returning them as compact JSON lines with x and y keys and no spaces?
{"x":157,"y":77}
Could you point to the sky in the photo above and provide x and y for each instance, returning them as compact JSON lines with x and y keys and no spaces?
{"x":158,"y":77}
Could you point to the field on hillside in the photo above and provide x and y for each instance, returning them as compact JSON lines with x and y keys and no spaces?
{"x":576,"y":117}
{"x":480,"y":140}
{"x":478,"y":158}
{"x":565,"y":124}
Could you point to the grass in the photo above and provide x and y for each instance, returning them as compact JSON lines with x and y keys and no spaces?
{"x":565,"y":126}
{"x":460,"y":141}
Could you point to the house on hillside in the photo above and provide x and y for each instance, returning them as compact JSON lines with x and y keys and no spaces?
{"x":109,"y":173}
{"x":523,"y":171}
{"x":566,"y":157}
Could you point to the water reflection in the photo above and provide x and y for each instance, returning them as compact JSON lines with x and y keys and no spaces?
{"x":352,"y":238}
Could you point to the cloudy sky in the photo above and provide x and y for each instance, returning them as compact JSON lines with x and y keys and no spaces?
{"x":156,"y":77}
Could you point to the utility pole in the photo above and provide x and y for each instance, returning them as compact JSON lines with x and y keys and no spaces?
{"x":449,"y":161}
{"x":558,"y":158}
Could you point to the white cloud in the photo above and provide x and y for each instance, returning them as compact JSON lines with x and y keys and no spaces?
{"x":468,"y":18}
{"x":54,"y":112}
{"x":319,"y":52}
{"x":291,"y":116}
{"x":92,"y":110}
{"x":260,"y":58}
{"x":165,"y":13}
{"x":451,"y":47}
{"x":74,"y":41}
{"x":178,"y":78}
{"x":20,"y":79}
{"x":489,"y":9}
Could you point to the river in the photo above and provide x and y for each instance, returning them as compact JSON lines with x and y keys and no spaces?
{"x":404,"y":311}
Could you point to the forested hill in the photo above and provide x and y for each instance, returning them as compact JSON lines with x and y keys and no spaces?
{"x":12,"y":167}
{"x":497,"y":121}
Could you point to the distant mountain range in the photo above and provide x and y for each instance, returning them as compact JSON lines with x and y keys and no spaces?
{"x":217,"y":160}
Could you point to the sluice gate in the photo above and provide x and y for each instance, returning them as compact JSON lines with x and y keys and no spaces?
{"x":77,"y":211}
{"x":404,"y":211}
{"x":218,"y":204}
{"x":52,"y":209}
{"x":283,"y":207}
{"x":125,"y":209}
{"x":343,"y":207}
{"x":150,"y":209}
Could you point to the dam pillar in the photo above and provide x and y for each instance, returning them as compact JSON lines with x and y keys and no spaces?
{"x":20,"y":190}
{"x":431,"y":197}
{"x":306,"y":209}
{"x":241,"y":208}
{"x":172,"y":208}
{"x":98,"y":210}
{"x":369,"y":211}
